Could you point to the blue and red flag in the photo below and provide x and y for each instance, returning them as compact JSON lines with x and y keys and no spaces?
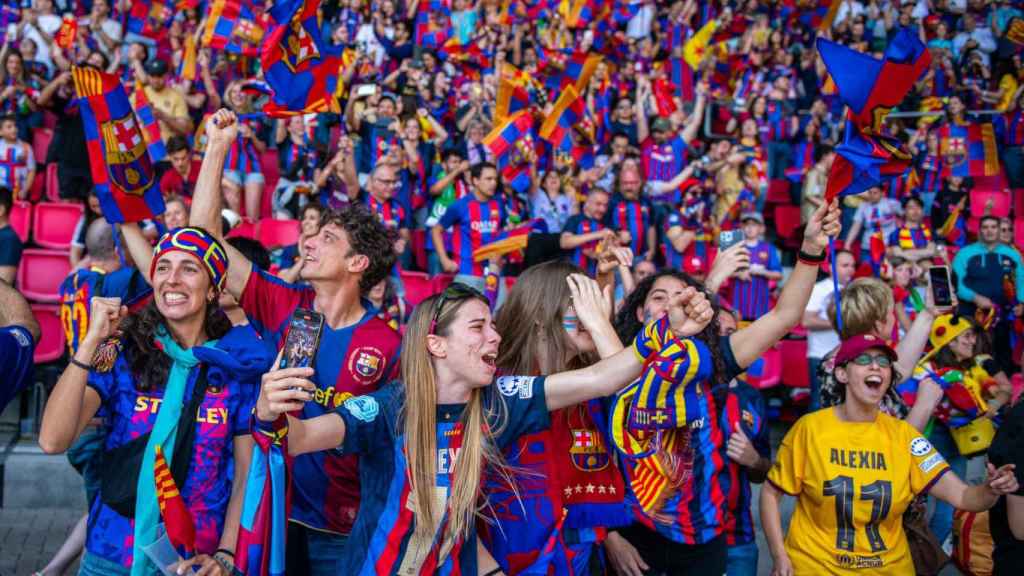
{"x":969,"y":149}
{"x":122,"y":170}
{"x":9,"y":14}
{"x":231,"y":25}
{"x":150,"y":127}
{"x":568,"y":111}
{"x":263,"y":524}
{"x":433,"y":24}
{"x":576,"y":70}
{"x":299,"y":66}
{"x":149,"y":18}
{"x":871,"y":88}
{"x":506,"y":140}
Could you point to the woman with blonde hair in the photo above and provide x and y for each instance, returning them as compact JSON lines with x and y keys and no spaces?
{"x":242,"y":171}
{"x":426,"y":443}
{"x":562,"y":333}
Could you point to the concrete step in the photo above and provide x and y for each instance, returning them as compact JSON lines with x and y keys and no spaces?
{"x":31,"y":479}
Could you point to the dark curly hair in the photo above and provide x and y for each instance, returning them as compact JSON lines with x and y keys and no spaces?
{"x":148,"y":364}
{"x":627,"y":326}
{"x":369,"y":237}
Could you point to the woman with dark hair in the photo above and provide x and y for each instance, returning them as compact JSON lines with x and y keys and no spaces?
{"x":672,"y":468}
{"x":18,"y":91}
{"x":174,"y":379}
{"x":564,"y":332}
{"x":418,"y":513}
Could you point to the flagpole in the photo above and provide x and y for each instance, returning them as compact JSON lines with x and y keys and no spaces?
{"x":835,"y":283}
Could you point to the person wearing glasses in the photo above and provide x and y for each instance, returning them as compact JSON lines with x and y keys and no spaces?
{"x":379,"y":197}
{"x":854,"y":470}
{"x":350,"y":253}
{"x":425,"y":443}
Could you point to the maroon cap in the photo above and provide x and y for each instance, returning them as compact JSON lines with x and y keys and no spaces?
{"x":852,"y":347}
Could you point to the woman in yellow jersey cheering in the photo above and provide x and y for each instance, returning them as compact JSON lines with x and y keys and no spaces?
{"x":854,"y":471}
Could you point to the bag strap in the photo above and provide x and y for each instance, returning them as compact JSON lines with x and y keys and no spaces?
{"x":184,"y":440}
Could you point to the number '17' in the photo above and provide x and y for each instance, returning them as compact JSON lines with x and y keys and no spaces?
{"x":879,"y":493}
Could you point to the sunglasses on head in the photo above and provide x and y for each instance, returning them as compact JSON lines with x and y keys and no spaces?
{"x":455,"y":292}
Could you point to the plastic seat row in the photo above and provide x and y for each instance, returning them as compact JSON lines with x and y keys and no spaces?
{"x":50,"y":224}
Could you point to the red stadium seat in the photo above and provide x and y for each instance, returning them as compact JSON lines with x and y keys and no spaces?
{"x":771,"y":371}
{"x":21,"y":219}
{"x":441,"y":281}
{"x":35,"y":194}
{"x":990,"y":183}
{"x":793,"y":353}
{"x":41,"y":138}
{"x":52,"y":340}
{"x":1018,"y":201}
{"x":273,"y":233}
{"x":418,"y":245}
{"x":54,"y":223}
{"x":41,"y":272}
{"x":52,"y":183}
{"x":49,"y":120}
{"x":778,"y":191}
{"x":418,"y":286}
{"x":1000,"y":203}
{"x":246,"y":229}
{"x":787,"y":220}
{"x":972,"y":225}
{"x":1018,"y":232}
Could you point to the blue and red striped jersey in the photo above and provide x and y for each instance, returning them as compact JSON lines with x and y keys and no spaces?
{"x":581,"y":224}
{"x":663,"y":162}
{"x":384,"y":539}
{"x":751,"y":299}
{"x":691,"y":215}
{"x":1010,"y":128}
{"x":744,"y":406}
{"x":242,"y":156}
{"x":474,"y":224}
{"x":350,"y":361}
{"x":633,"y":216}
{"x":390,"y":211}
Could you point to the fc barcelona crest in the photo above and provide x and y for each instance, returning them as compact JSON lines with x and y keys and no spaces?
{"x":128,"y":163}
{"x":365,"y":364}
{"x":299,"y":48}
{"x":587,"y":450}
{"x":956,"y":151}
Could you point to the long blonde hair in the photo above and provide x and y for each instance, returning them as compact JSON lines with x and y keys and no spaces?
{"x":419,"y":417}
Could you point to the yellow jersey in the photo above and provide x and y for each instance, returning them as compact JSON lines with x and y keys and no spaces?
{"x":852,"y":480}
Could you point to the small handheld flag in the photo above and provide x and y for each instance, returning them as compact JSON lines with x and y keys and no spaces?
{"x":298,"y":64}
{"x":177,"y":519}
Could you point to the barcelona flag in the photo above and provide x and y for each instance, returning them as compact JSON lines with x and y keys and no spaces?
{"x":568,"y":112}
{"x":149,"y":18}
{"x":150,"y":128}
{"x":506,"y":139}
{"x":969,"y":149}
{"x":300,"y":67}
{"x":263,"y":523}
{"x":122,"y":169}
{"x":871,"y":88}
{"x":177,"y":519}
{"x":231,"y":26}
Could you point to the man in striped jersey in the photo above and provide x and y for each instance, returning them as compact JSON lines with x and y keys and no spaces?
{"x":751,"y":288}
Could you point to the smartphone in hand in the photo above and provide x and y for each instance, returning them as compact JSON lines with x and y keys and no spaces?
{"x":941,"y":286}
{"x":303,"y":339}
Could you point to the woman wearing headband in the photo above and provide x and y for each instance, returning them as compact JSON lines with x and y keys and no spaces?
{"x":177,"y":384}
{"x":426,"y":443}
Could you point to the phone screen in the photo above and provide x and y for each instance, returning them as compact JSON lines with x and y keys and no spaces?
{"x":942,"y":294}
{"x":729,"y":238}
{"x":303,"y":339}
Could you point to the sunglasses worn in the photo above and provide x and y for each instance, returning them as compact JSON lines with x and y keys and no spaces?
{"x":866,"y":359}
{"x":455,"y":292}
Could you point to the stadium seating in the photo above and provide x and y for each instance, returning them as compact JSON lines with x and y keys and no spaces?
{"x":778,"y":191}
{"x":21,"y":219}
{"x":41,"y":138}
{"x":273,"y":233}
{"x":441,"y":281}
{"x":793,"y":353}
{"x":41,"y":272}
{"x":418,"y":286}
{"x":54,"y":223}
{"x":787,"y":221}
{"x":1000,"y":203}
{"x":52,"y":183}
{"x":52,"y":340}
{"x":1018,"y":231}
{"x":418,"y":245}
{"x":246,"y":229}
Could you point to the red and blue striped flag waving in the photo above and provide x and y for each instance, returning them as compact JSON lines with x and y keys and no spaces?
{"x":122,"y":169}
{"x":300,"y":67}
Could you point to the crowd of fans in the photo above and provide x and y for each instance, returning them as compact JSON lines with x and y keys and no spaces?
{"x":700,"y":162}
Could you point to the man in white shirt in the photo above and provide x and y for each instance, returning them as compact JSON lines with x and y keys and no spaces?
{"x":102,"y":27}
{"x":821,"y":337}
{"x":39,"y":24}
{"x":976,"y":38}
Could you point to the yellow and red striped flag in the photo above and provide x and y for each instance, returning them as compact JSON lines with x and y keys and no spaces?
{"x":177,"y":519}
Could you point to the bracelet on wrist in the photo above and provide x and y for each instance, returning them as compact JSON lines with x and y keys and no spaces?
{"x":810,"y":259}
{"x":75,"y":362}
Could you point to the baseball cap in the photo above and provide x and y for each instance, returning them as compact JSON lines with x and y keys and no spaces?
{"x":854,"y":346}
{"x":156,"y":67}
{"x":755,"y":216}
{"x":661,"y":124}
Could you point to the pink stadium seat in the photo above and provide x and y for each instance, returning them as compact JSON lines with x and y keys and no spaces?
{"x":787,"y":220}
{"x":273,"y":233}
{"x":973,"y":224}
{"x":21,"y":219}
{"x":1000,"y":203}
{"x":1018,"y":201}
{"x":418,"y":286}
{"x":41,"y":138}
{"x":778,"y":191}
{"x":41,"y":273}
{"x":793,"y":354}
{"x":771,"y":370}
{"x":51,"y":182}
{"x":990,"y":183}
{"x":49,"y":120}
{"x":1018,"y":232}
{"x":53,"y":224}
{"x":271,"y":174}
{"x":246,"y":229}
{"x":52,"y":340}
{"x":418,"y":245}
{"x":441,"y":281}
{"x":35,"y":194}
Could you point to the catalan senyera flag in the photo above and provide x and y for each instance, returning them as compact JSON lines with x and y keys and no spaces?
{"x":231,"y":26}
{"x":188,"y":66}
{"x":513,"y":92}
{"x":577,"y":68}
{"x":177,"y":519}
{"x":871,"y":88}
{"x":150,"y":127}
{"x":122,"y":169}
{"x":567,"y":112}
{"x":300,"y":67}
{"x":263,"y":524}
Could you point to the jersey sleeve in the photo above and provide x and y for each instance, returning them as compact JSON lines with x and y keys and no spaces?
{"x":268,"y":300}
{"x":452,"y":216}
{"x":105,"y":383}
{"x":774,"y":264}
{"x":572,"y":224}
{"x":926,"y":464}
{"x":761,"y":441}
{"x":16,"y":349}
{"x":365,"y":422}
{"x":525,"y":407}
{"x":787,"y":473}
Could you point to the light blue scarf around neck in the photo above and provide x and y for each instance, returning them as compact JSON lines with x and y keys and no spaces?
{"x":165,"y":429}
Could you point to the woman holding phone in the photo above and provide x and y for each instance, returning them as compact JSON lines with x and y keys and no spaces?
{"x":175,"y":376}
{"x":425,"y":444}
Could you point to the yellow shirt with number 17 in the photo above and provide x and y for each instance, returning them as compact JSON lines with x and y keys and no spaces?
{"x":852,"y":480}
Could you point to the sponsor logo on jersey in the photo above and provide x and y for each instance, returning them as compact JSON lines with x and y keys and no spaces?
{"x":931,"y":462}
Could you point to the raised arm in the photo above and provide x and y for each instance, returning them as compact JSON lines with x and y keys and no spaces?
{"x":697,"y":118}
{"x":15,"y":311}
{"x":751,"y":342}
{"x":221,"y":131}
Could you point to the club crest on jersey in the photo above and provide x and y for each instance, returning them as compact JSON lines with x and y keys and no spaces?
{"x":364,"y":408}
{"x":365,"y":364}
{"x":919,"y":446}
{"x":587,"y":450}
